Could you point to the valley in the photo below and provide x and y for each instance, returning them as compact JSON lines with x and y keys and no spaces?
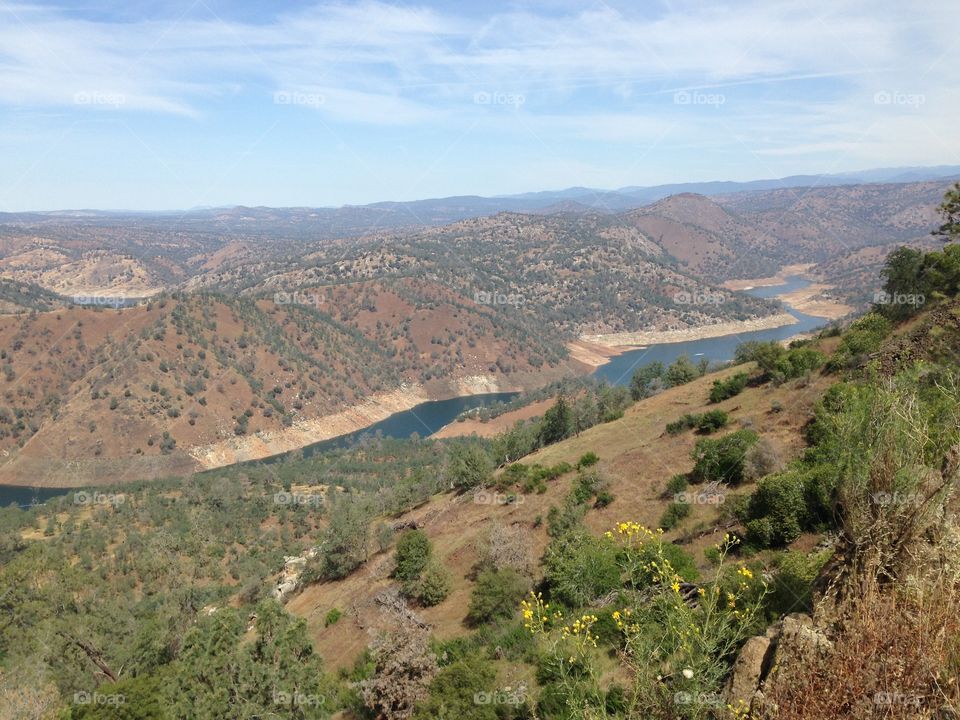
{"x":292,"y":333}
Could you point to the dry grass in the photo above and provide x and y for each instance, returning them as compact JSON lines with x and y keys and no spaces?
{"x":896,"y":656}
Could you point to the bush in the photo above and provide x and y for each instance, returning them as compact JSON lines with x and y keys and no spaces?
{"x":778,"y":510}
{"x":761,"y":460}
{"x":587,"y":459}
{"x":454,"y":690}
{"x":723,"y":389}
{"x":469,"y":465}
{"x":433,"y":585}
{"x":675,"y":512}
{"x":722,"y":459}
{"x":677,"y":484}
{"x":791,"y":589}
{"x":332,"y":616}
{"x":862,"y":337}
{"x":496,"y":595}
{"x":647,"y":380}
{"x":684,"y":422}
{"x":682,"y":371}
{"x":680,"y":560}
{"x":579,"y":567}
{"x":711,"y":421}
{"x":413,"y":553}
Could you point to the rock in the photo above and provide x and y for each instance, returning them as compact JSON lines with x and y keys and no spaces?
{"x":748,"y":671}
{"x":799,"y":640}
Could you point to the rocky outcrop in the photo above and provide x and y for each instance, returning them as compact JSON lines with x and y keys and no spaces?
{"x":793,"y":640}
{"x":293,"y":567}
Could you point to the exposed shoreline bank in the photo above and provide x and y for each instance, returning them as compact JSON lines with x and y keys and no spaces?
{"x":626,"y":341}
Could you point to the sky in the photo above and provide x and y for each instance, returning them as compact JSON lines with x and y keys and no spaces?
{"x":189,"y":103}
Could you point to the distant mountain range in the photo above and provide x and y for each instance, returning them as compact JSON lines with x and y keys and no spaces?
{"x":352,"y":220}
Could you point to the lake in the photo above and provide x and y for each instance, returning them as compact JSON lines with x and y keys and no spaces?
{"x":718,"y":349}
{"x":427,"y":418}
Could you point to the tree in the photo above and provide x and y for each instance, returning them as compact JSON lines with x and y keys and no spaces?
{"x":682,"y":371}
{"x":344,"y":542}
{"x":433,"y":585}
{"x":557,"y":422}
{"x":469,"y":465}
{"x":647,"y":380}
{"x":722,"y":460}
{"x":496,"y":595}
{"x":413,"y":553}
{"x":219,"y":675}
{"x":950,"y":212}
{"x":403,"y":669}
{"x":902,"y":278}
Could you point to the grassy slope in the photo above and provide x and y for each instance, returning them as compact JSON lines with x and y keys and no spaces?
{"x":635,"y":453}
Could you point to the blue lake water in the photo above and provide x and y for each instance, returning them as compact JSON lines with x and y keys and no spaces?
{"x":427,"y":418}
{"x":719,"y":349}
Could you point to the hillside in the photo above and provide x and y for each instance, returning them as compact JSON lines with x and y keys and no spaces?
{"x":196,"y":381}
{"x":637,"y":458}
{"x":417,"y":555}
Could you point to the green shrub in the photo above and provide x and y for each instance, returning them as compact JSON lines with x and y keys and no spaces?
{"x":587,"y":459}
{"x":778,"y":510}
{"x":579,"y":567}
{"x":711,"y":421}
{"x":722,"y":459}
{"x":723,"y":389}
{"x":862,"y":337}
{"x":677,"y":484}
{"x":682,"y":371}
{"x":433,"y":585}
{"x":469,"y":465}
{"x":604,"y":498}
{"x":675,"y":512}
{"x":413,"y":553}
{"x":454,"y":691}
{"x":332,"y":616}
{"x":680,"y":560}
{"x":684,"y":422}
{"x":496,"y":595}
{"x":791,"y":588}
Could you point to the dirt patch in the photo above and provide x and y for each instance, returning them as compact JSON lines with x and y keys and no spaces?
{"x":815,"y":300}
{"x":779,"y":279}
{"x":494,"y":425}
{"x":659,"y":337}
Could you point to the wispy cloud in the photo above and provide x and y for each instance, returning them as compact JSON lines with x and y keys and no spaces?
{"x":787,"y":79}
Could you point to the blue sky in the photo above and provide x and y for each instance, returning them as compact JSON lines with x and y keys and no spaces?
{"x":140,"y":105}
